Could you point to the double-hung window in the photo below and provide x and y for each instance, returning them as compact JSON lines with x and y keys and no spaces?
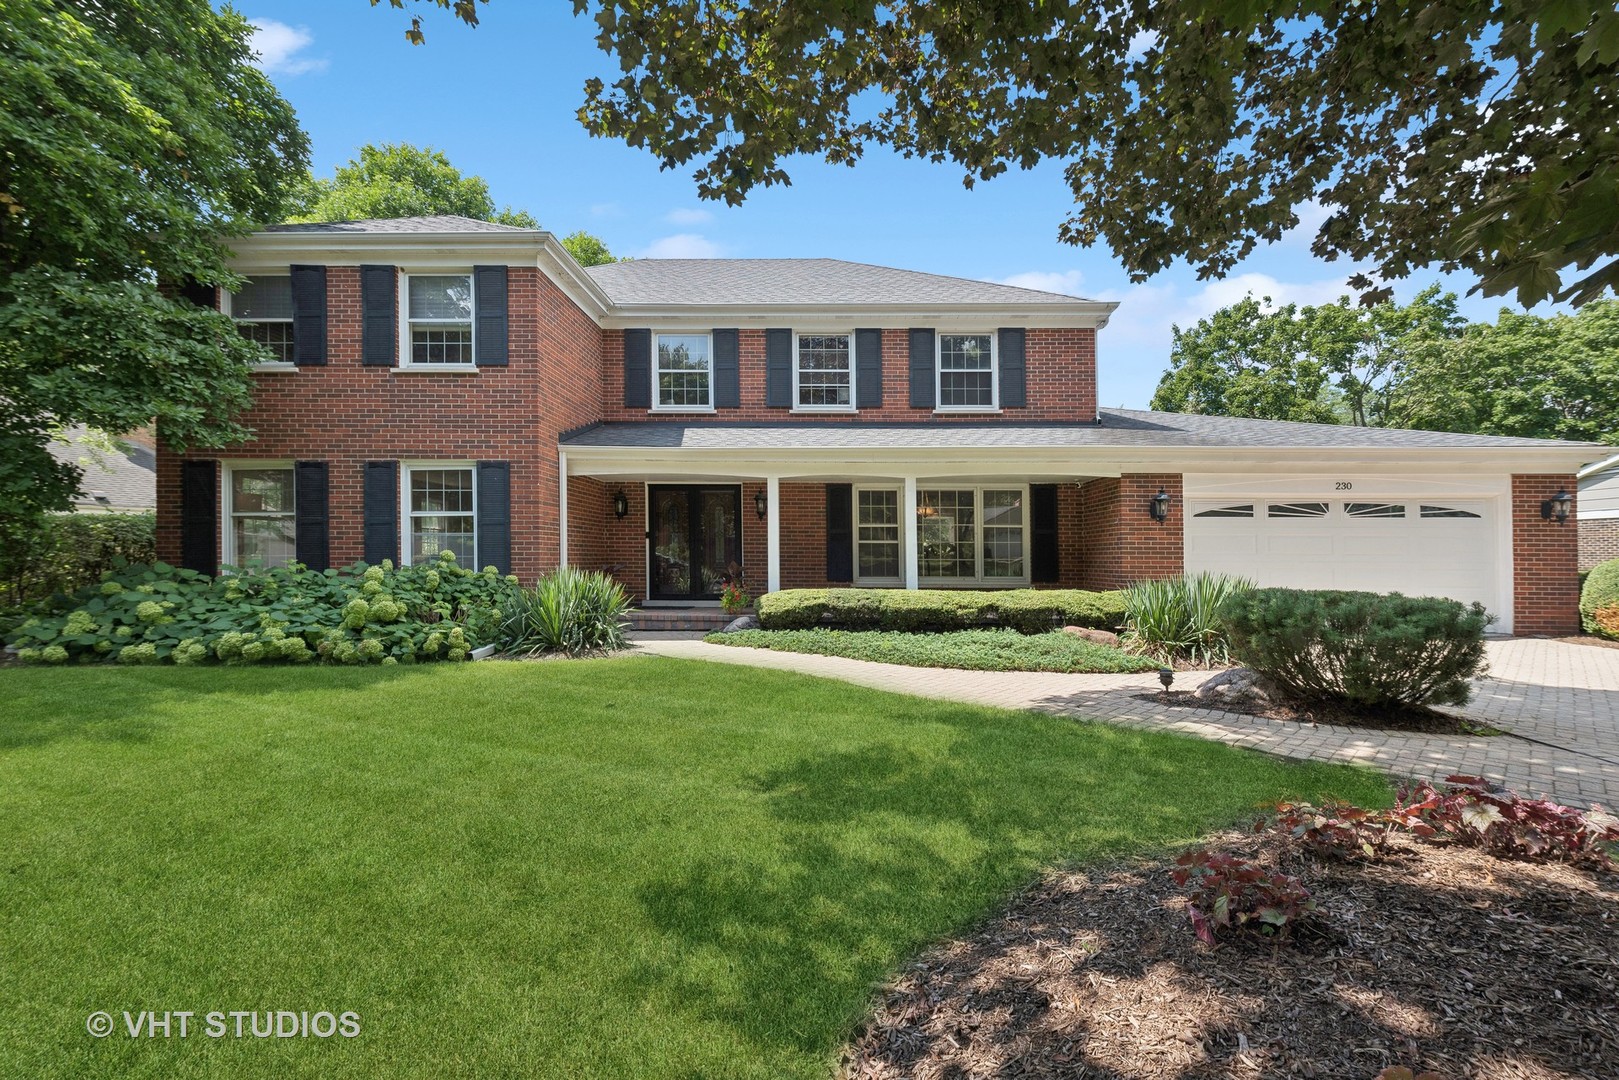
{"x":262,"y":308}
{"x":438,"y":318}
{"x":822,"y":375}
{"x":967,"y":371}
{"x":965,"y":536}
{"x":877,"y":536}
{"x":684,"y":378}
{"x":442,"y":513}
{"x":259,"y":530}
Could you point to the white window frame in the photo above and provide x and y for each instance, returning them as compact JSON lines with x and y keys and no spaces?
{"x":978,"y":580}
{"x":406,"y":515}
{"x":657,"y":405}
{"x":798,"y":404}
{"x":227,"y":299}
{"x":994,"y":372}
{"x":405,"y":321}
{"x":227,"y":505}
{"x":899,"y":501}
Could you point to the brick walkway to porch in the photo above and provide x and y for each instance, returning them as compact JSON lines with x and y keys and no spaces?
{"x":1560,"y":703}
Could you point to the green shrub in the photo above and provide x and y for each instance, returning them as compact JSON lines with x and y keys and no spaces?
{"x":1029,"y":611}
{"x":970,"y":650}
{"x":567,"y":611}
{"x":1360,"y":649}
{"x":66,"y":552}
{"x":361,"y":615}
{"x":1180,"y":617}
{"x":1599,"y":600}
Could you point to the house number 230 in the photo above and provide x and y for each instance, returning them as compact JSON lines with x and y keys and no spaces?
{"x":1343,"y":485}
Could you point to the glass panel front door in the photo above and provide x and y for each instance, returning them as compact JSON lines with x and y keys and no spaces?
{"x":695,"y":536}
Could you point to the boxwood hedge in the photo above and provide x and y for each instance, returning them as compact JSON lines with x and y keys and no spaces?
{"x":1030,"y":611}
{"x":1599,"y":600}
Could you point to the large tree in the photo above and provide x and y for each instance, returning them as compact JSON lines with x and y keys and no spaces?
{"x":132,"y":138}
{"x":1475,"y":135}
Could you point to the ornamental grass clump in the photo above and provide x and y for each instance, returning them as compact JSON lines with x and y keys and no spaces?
{"x":1179,"y":618}
{"x":1359,"y":650}
{"x":568,"y":611}
{"x":156,"y":614}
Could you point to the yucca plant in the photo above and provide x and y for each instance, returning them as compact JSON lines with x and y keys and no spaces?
{"x":1178,"y":618}
{"x":568,"y":611}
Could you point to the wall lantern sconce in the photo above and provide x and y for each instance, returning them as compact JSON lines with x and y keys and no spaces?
{"x":1158,"y":506}
{"x":1556,"y":507}
{"x":761,"y":504}
{"x":621,"y":504}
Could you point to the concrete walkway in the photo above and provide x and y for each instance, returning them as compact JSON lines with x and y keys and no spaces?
{"x":1559,"y":702}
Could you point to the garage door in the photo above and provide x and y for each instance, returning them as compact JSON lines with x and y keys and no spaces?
{"x":1417,"y":547}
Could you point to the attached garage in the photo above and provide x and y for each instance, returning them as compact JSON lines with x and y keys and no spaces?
{"x":1420,"y":545}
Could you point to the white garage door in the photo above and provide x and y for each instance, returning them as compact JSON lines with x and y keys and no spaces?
{"x":1420,"y":547}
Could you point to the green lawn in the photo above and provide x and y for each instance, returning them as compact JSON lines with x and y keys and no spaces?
{"x":617,"y":868}
{"x":973,"y":650}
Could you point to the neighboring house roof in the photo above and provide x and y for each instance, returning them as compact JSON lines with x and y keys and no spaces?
{"x":112,"y":480}
{"x":438,"y":225}
{"x":1117,"y":428}
{"x":796,"y":282}
{"x":1599,"y":490}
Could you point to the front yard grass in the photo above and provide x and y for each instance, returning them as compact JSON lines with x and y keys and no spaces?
{"x":972,"y":650}
{"x":622,"y":868}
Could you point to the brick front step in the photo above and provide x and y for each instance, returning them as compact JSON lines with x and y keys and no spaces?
{"x":667,"y":619}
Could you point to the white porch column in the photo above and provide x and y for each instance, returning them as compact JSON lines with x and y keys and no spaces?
{"x":773,"y":533}
{"x":907,"y":532}
{"x":562,"y":506}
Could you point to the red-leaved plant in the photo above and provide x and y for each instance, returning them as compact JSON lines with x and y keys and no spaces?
{"x":1229,"y":892}
{"x":1336,"y":830}
{"x":1508,"y":825}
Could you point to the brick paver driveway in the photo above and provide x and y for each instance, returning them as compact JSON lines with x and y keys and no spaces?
{"x":1559,"y":702}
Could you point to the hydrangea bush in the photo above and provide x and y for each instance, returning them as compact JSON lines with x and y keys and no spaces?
{"x":383,"y":614}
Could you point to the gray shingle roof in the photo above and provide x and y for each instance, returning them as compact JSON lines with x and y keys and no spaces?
{"x":112,"y":481}
{"x":442,"y":223}
{"x":785,"y":282}
{"x":1119,"y":428}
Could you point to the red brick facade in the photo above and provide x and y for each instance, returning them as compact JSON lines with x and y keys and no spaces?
{"x":1118,"y":540}
{"x":1599,"y":541}
{"x":1545,"y":556}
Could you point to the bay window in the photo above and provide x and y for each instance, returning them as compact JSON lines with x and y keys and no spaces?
{"x":822,"y":376}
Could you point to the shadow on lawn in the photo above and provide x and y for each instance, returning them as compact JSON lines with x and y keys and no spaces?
{"x":129,"y":705}
{"x":884,"y":848}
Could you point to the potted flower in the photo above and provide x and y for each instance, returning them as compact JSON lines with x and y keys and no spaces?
{"x":734,"y":596}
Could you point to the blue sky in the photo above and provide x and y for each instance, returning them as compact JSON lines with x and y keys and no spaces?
{"x":500,"y":101}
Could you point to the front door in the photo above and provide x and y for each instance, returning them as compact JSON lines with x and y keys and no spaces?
{"x":694,"y":536}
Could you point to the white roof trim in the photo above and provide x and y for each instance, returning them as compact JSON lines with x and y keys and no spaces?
{"x":1599,"y":467}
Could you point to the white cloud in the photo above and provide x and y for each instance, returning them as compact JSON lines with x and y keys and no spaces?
{"x":1067,"y":282}
{"x":1141,"y":42}
{"x":688,"y":216}
{"x":278,"y":46}
{"x":682,"y":246}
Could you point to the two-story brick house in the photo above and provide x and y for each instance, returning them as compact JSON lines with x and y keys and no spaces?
{"x":447,"y":383}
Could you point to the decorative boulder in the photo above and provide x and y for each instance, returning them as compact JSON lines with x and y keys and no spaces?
{"x":1234,"y":684}
{"x":744,"y":622}
{"x":1099,"y":637}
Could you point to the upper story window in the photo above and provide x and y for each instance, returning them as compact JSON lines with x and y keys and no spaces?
{"x":262,"y":308}
{"x":684,"y":377}
{"x":967,"y":371}
{"x":259,"y":530}
{"x":822,"y":376}
{"x":442,"y":514}
{"x":438,"y":318}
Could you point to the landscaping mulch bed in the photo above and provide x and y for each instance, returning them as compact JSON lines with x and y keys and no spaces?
{"x":1434,"y":958}
{"x":1405,"y":718}
{"x":1588,"y":639}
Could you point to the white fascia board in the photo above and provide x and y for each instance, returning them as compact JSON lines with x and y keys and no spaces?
{"x":416,"y":252}
{"x":1599,"y":466}
{"x":1081,"y":314}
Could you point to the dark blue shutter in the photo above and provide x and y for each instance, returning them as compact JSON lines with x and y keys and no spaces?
{"x":1010,"y":355}
{"x":637,"y":369}
{"x":379,"y":315}
{"x":727,"y":373}
{"x":489,"y":316}
{"x":381,"y":511}
{"x":310,"y":514}
{"x":839,"y":532}
{"x":199,"y":516}
{"x":868,"y":369}
{"x":1045,"y":564}
{"x":308,"y":316}
{"x":923,"y":394}
{"x":495,"y":515}
{"x":779,"y":369}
